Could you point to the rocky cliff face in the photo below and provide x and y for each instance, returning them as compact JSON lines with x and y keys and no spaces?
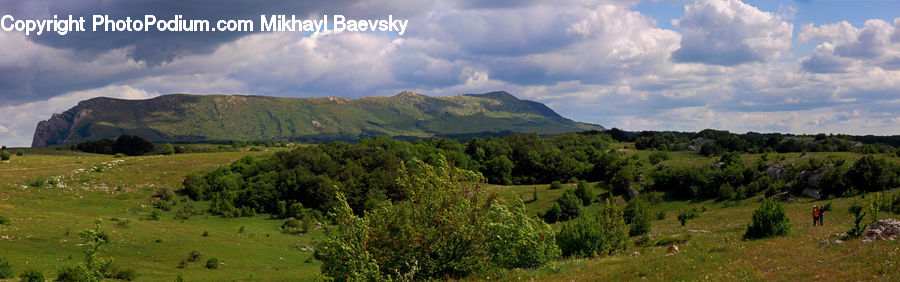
{"x":203,"y":118}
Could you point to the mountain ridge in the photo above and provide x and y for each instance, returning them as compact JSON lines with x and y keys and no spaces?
{"x":218,"y":117}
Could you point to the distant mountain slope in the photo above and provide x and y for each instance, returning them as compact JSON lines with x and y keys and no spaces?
{"x":197,"y":118}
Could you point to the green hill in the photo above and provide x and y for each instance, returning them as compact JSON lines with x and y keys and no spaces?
{"x":198,"y":118}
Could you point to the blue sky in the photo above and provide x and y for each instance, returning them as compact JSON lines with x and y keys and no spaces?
{"x":764,"y":66}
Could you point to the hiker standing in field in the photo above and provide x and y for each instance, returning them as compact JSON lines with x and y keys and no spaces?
{"x":816,"y":215}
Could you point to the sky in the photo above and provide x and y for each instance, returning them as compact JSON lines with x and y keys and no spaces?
{"x":765,"y":66}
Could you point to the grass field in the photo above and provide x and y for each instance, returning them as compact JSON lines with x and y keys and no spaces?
{"x":49,"y":195}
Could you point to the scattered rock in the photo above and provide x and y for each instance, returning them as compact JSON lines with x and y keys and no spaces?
{"x":632,"y":193}
{"x":697,"y":143}
{"x":838,"y":242}
{"x":885,"y":229}
{"x":673,"y":249}
{"x":823,"y":243}
{"x":635,"y":254}
{"x":696,"y":231}
{"x":866,"y":240}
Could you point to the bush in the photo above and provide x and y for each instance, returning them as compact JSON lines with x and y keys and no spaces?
{"x":660,"y":215}
{"x":5,"y":221}
{"x":594,"y":234}
{"x":768,"y":220}
{"x":168,"y":149}
{"x":125,"y":274}
{"x":657,"y":157}
{"x":20,"y":152}
{"x":640,"y":217}
{"x":163,"y":205}
{"x":859,"y":213}
{"x":212,"y":263}
{"x":553,"y":213}
{"x":685,"y":215}
{"x":555,"y":185}
{"x":4,"y":155}
{"x":584,"y":192}
{"x":32,"y":275}
{"x":570,"y":206}
{"x":446,"y":228}
{"x":194,"y":255}
{"x":165,"y":194}
{"x":5,"y":269}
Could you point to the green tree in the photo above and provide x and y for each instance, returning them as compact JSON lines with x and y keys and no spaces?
{"x":499,"y":170}
{"x":768,"y":220}
{"x":594,"y":234}
{"x":447,"y":226}
{"x":4,"y":155}
{"x":168,"y":149}
{"x":584,"y":192}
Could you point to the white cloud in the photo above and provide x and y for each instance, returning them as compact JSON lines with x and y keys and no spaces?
{"x":872,"y":45}
{"x":730,"y":32}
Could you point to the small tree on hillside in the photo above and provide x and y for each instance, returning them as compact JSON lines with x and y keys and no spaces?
{"x":768,"y":220}
{"x":169,"y":149}
{"x":584,"y":192}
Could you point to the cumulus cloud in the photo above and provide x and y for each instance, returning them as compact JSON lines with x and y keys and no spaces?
{"x":872,"y":45}
{"x":730,"y":32}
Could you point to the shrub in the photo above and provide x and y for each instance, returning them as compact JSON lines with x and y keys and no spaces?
{"x":584,"y":192}
{"x":5,"y":221}
{"x":20,"y":152}
{"x":859,"y":213}
{"x":119,"y":155}
{"x":570,"y":206}
{"x":291,"y":226}
{"x":163,"y":205}
{"x":553,"y":213}
{"x":447,"y":227}
{"x":685,"y":215}
{"x":553,"y":185}
{"x":5,"y":269}
{"x":168,"y":149}
{"x":205,"y":233}
{"x":594,"y":234}
{"x":212,"y":263}
{"x":194,"y":255}
{"x":642,"y":241}
{"x":195,"y":186}
{"x":768,"y":220}
{"x":154,"y":215}
{"x":4,"y":155}
{"x":660,"y":215}
{"x":640,"y":223}
{"x":32,"y":275}
{"x":94,"y":267}
{"x":165,"y":194}
{"x":657,"y":157}
{"x":523,"y":242}
{"x":125,"y":274}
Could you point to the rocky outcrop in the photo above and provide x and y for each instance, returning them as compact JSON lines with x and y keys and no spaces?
{"x":776,"y":171}
{"x":697,"y":143}
{"x":885,"y":229}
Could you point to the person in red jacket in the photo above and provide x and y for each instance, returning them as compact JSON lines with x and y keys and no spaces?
{"x":816,"y":215}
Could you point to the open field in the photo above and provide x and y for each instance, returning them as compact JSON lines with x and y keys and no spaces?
{"x":49,"y":195}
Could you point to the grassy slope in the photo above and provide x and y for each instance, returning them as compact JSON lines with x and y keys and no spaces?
{"x":46,"y":221}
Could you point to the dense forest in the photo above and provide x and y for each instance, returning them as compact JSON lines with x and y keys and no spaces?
{"x":296,"y":182}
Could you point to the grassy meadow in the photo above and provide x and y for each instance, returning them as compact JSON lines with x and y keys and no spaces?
{"x":49,"y":195}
